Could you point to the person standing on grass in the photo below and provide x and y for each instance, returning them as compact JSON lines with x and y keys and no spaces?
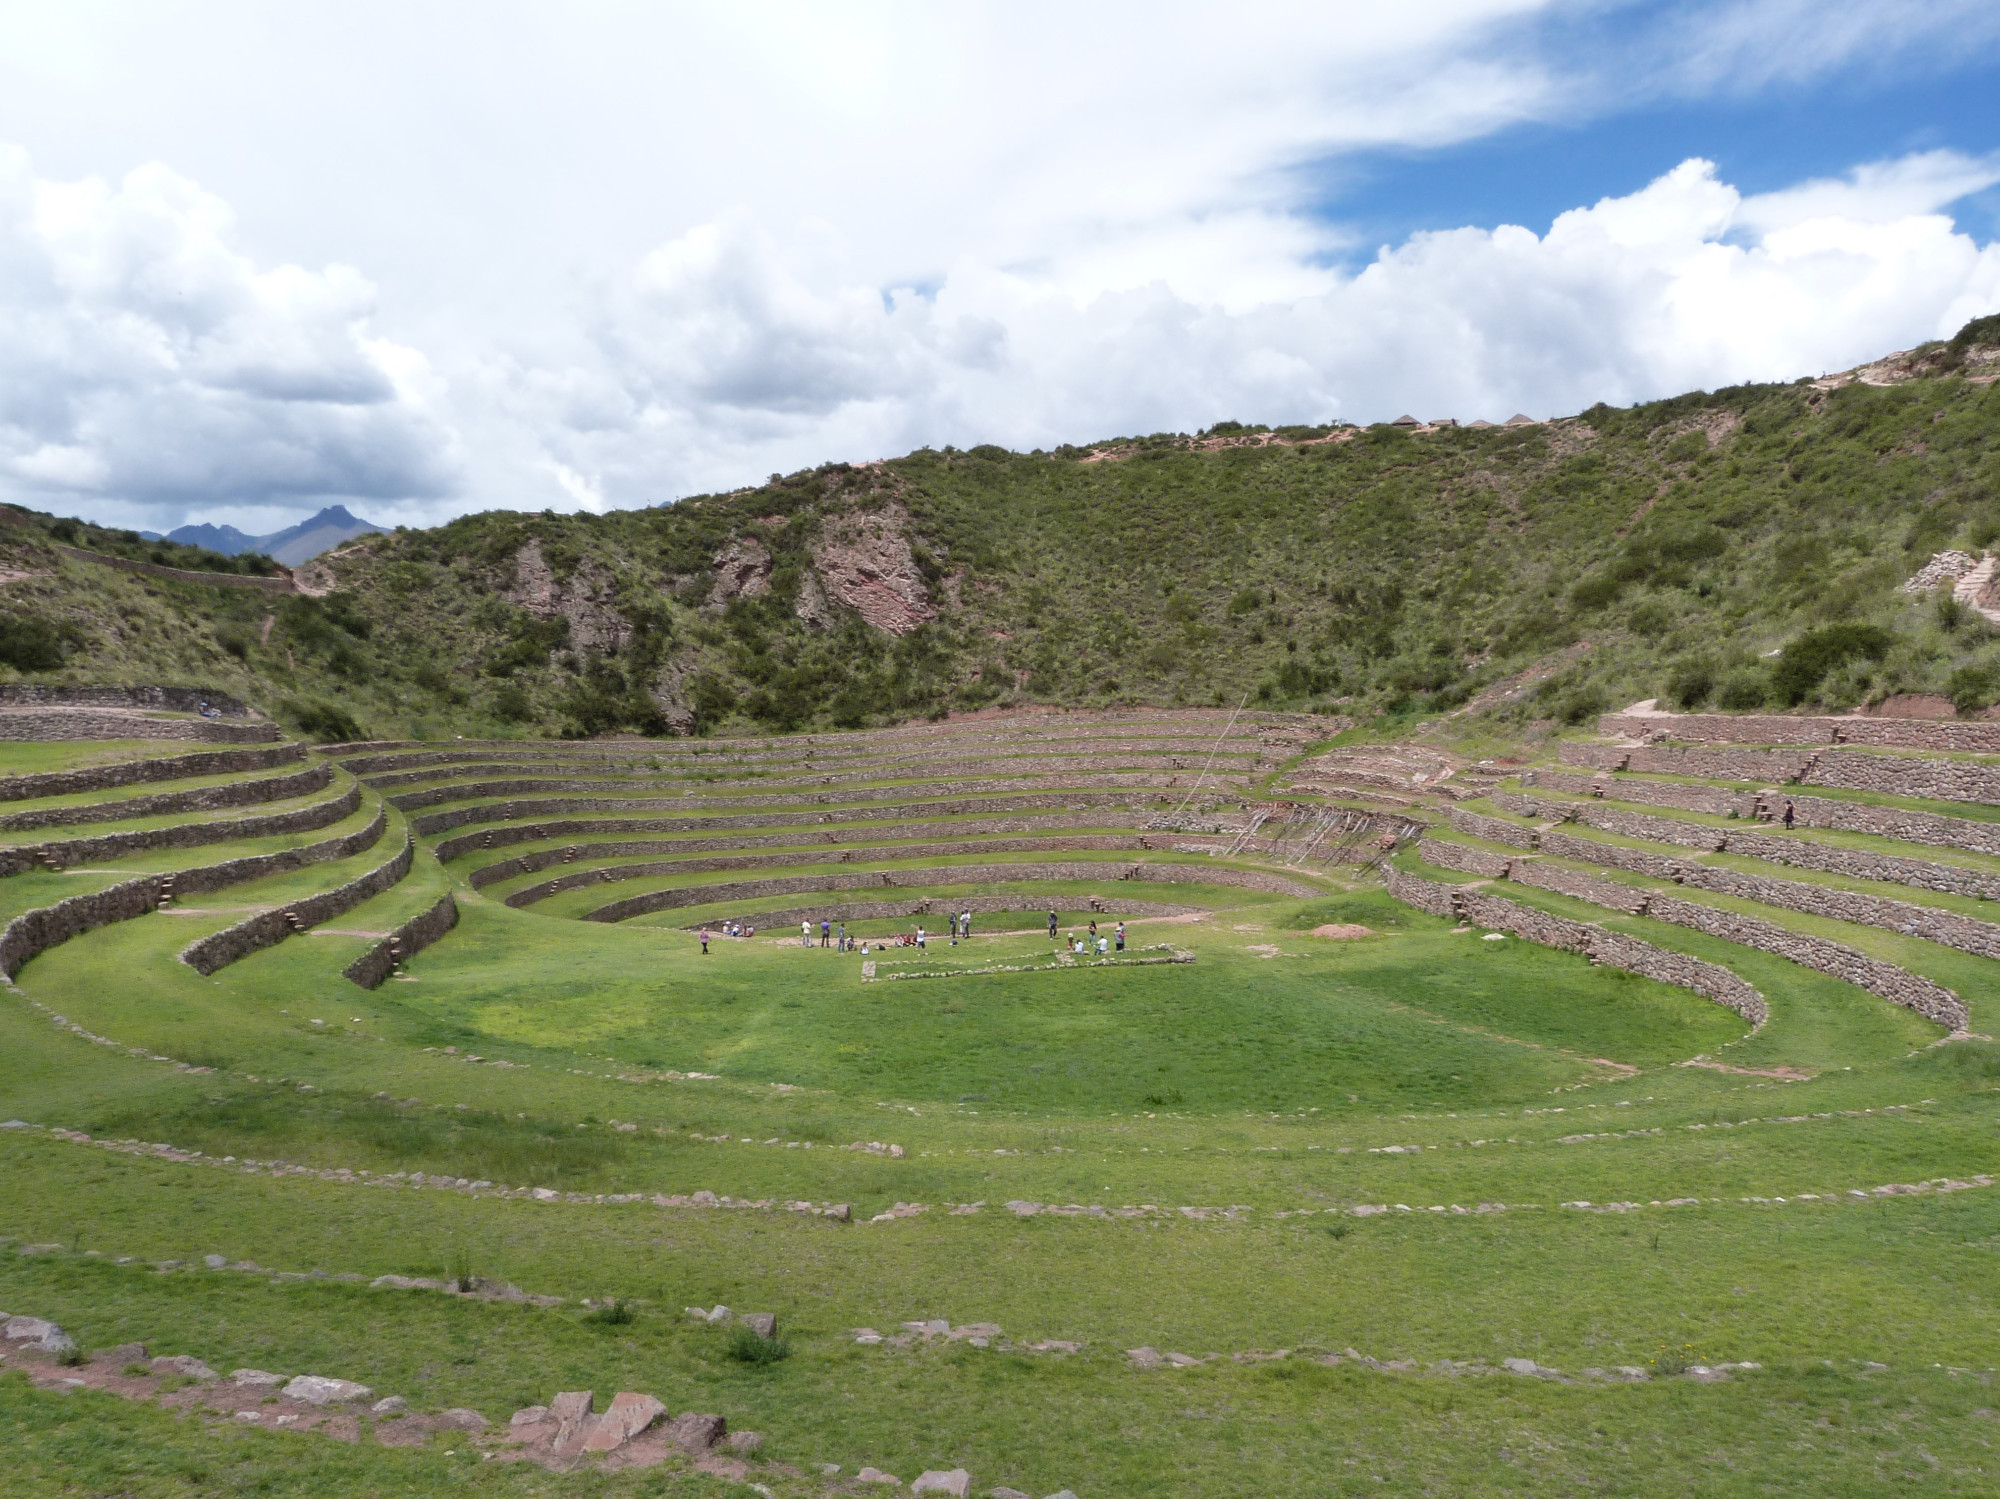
{"x":825,"y":932}
{"x":1052,"y":926}
{"x":920,"y":938}
{"x":843,"y":938}
{"x":1788,"y":817}
{"x":1121,"y":936}
{"x":965,"y":920}
{"x":704,"y":942}
{"x":806,"y":933}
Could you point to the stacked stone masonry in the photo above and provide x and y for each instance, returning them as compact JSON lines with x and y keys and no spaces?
{"x":873,"y":830}
{"x":64,"y":853}
{"x":137,"y":772}
{"x":413,"y":936}
{"x":948,"y":875}
{"x":168,"y":699}
{"x":415,"y":800}
{"x":1492,"y":829}
{"x":605,"y":874}
{"x":35,"y":932}
{"x":171,"y":803}
{"x":1722,"y":728}
{"x":1612,"y":949}
{"x":268,"y":928}
{"x":45,"y":725}
{"x":506,"y":812}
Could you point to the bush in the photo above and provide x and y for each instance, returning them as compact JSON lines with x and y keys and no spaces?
{"x":613,"y":1313}
{"x":1742,"y":691}
{"x":746,"y":1347}
{"x":1690,"y":684}
{"x":1808,"y":659}
{"x":511,"y":704}
{"x":1972,"y":688}
{"x":30,"y":644}
{"x":321,"y":720}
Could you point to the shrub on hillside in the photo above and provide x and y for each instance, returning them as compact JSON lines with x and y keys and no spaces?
{"x":1690,"y":683}
{"x":321,"y":720}
{"x":30,"y":644}
{"x":1973,"y":687}
{"x":1743,"y":691}
{"x":1806,"y":660}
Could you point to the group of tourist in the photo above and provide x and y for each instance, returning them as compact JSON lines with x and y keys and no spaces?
{"x":833,"y":934}
{"x":1093,"y":941}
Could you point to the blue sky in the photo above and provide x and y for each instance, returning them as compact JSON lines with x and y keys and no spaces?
{"x":1763,"y":141}
{"x":257,"y":259}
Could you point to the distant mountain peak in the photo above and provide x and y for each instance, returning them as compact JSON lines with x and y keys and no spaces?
{"x":295,"y":544}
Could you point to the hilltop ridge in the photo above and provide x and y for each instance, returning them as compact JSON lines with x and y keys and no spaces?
{"x":1740,"y":548}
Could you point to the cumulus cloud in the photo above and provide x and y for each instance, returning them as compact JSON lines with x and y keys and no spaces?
{"x":147,"y":364}
{"x":734,"y":345}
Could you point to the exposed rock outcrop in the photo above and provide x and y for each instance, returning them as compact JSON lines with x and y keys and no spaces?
{"x":865,"y":562}
{"x":584,"y":599}
{"x":742,"y":571}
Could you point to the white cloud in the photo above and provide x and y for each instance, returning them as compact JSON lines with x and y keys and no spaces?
{"x":614,"y":253}
{"x":737,"y":349}
{"x":146,"y":364}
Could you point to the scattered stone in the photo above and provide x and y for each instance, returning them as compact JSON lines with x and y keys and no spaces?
{"x":626,"y":1416}
{"x":867,"y":1335}
{"x":29,"y":1329}
{"x":764,"y":1324}
{"x":876,"y":1475}
{"x":745,"y":1442}
{"x":1529,"y":1367}
{"x":696,"y":1433}
{"x":1062,"y":1494}
{"x":571,"y":1412}
{"x":1003,"y":1492}
{"x":461,"y":1418}
{"x":256,"y":1379}
{"x":316,"y":1389}
{"x":1182,"y":1360}
{"x":829,"y":1470}
{"x":720,"y":1314}
{"x":406,"y":1283}
{"x":955,"y":1482}
{"x":532,"y":1415}
{"x":392,"y":1405}
{"x":1146,"y":1358}
{"x":122,"y":1354}
{"x":215,"y":1261}
{"x":185,"y":1365}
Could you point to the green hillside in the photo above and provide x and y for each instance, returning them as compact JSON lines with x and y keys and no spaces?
{"x":1668,"y":549}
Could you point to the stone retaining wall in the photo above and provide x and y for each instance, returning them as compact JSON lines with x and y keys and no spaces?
{"x":1630,"y":899}
{"x":1714,"y":800}
{"x":1860,"y":864}
{"x":1899,"y":823}
{"x":412,"y":937}
{"x":1443,"y":854}
{"x":1947,"y":928}
{"x":438,"y":822}
{"x":35,"y":932}
{"x":47,"y":725}
{"x":281,"y":584}
{"x":776,"y":923}
{"x":268,"y":928}
{"x":1766,"y":767}
{"x":171,"y":699}
{"x":950,"y":875}
{"x":1723,"y":728}
{"x":1612,"y":949}
{"x":874,"y":830}
{"x":1932,"y":1001}
{"x":1611,"y":855}
{"x":167,"y":803}
{"x":599,"y":874}
{"x":1112,"y":780}
{"x":64,"y":853}
{"x":1414,"y":890}
{"x":818,"y":765}
{"x":137,"y":772}
{"x":1492,"y":829}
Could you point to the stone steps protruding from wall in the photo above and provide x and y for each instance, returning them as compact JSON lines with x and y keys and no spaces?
{"x":1971,"y":736}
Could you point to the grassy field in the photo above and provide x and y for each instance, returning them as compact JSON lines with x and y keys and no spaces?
{"x":1277,"y":1082}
